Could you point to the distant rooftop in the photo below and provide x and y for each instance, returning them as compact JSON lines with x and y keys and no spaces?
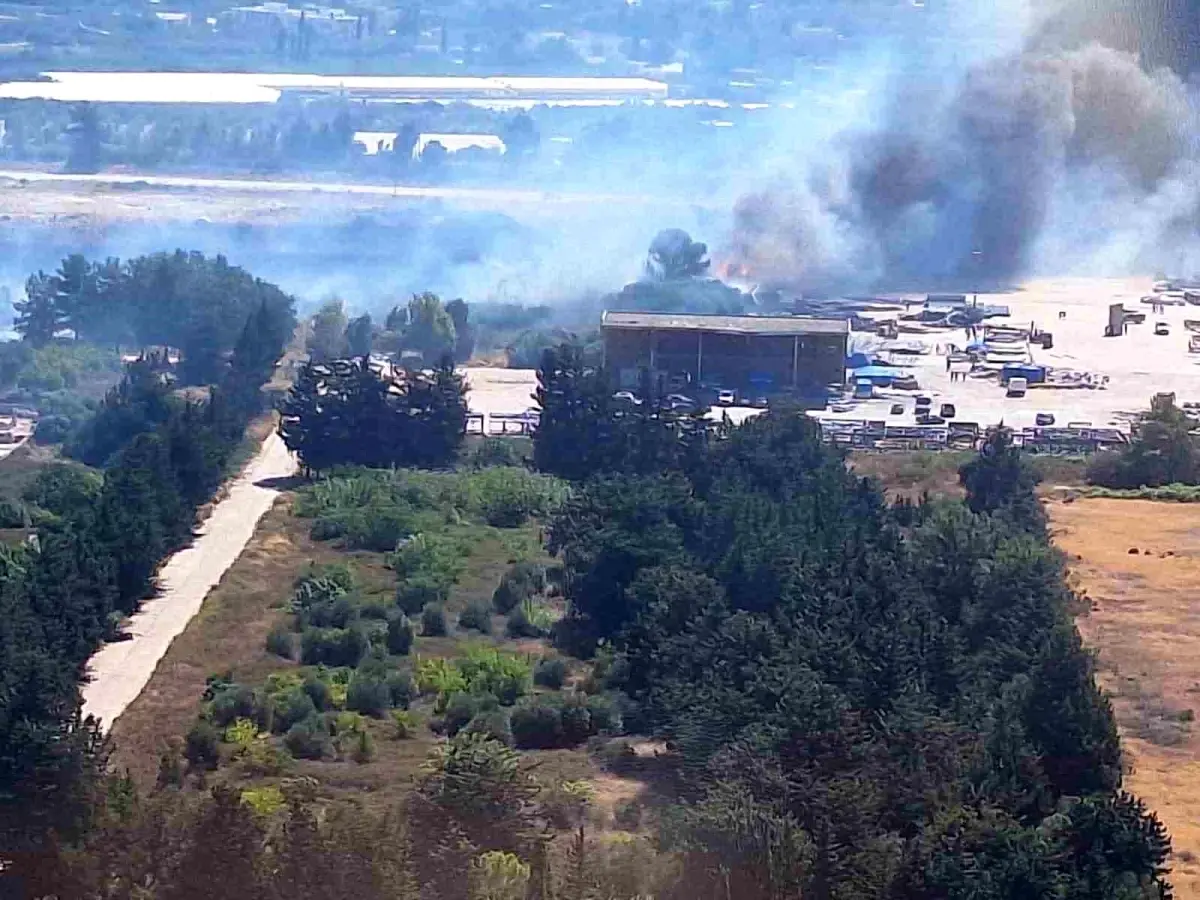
{"x":266,"y":87}
{"x":785,"y":326}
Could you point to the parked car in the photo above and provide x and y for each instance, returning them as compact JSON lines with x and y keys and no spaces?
{"x":1162,"y":328}
{"x":1043,"y":420}
{"x":948,"y":411}
{"x":760,"y":402}
{"x":929,"y":419}
{"x":680,"y":402}
{"x":627,"y":397}
{"x":1017,"y":387}
{"x":905,"y":383}
{"x":923,"y":402}
{"x":897,"y":409}
{"x":726,"y":397}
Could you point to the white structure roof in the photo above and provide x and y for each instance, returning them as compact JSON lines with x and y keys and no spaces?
{"x":456,"y":142}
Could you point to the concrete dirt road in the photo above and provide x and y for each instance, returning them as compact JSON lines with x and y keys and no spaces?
{"x":118,"y":672}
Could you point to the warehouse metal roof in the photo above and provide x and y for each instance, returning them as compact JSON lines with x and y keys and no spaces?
{"x":786,"y":326}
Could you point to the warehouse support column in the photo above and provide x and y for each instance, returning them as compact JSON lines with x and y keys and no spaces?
{"x":795,"y":362}
{"x":699,"y":356}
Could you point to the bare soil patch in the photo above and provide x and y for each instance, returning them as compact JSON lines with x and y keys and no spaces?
{"x":1142,"y":616}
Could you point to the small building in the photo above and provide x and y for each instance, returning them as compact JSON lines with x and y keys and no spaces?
{"x":456,"y":143}
{"x":762,"y":355}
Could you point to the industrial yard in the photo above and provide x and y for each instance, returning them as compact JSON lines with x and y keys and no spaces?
{"x":1102,"y":381}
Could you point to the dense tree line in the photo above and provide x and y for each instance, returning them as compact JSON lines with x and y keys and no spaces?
{"x":865,"y":701}
{"x":586,"y":430}
{"x":91,"y":561}
{"x":1162,"y":451}
{"x":350,"y":412}
{"x":178,"y":300}
{"x":424,"y":329}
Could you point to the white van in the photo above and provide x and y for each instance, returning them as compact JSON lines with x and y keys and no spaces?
{"x":1017,"y":387}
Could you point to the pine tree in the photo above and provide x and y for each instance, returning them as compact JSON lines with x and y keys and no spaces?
{"x":39,"y":316}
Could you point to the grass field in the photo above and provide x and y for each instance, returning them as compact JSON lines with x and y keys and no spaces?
{"x":1142,"y":616}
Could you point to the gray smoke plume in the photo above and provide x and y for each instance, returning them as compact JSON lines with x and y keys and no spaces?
{"x":1034,"y":162}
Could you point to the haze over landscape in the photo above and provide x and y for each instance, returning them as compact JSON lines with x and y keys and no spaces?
{"x":607,"y":450}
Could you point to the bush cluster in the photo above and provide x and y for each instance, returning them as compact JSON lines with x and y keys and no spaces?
{"x":333,"y":646}
{"x":522,"y":581}
{"x":547,"y":722}
{"x":476,"y":617}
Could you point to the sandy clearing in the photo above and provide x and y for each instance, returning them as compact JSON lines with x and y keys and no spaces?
{"x":118,"y":672}
{"x":1139,"y":363}
{"x":1144,"y":623}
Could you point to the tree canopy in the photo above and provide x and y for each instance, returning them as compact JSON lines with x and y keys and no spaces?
{"x":348,"y":413}
{"x":98,"y":545}
{"x":864,"y":702}
{"x":181,"y":300}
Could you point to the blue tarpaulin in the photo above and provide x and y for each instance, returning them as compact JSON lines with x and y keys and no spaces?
{"x":1033,"y":374}
{"x":883,"y":375}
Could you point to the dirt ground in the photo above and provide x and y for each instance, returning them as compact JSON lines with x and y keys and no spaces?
{"x":1144,"y":623}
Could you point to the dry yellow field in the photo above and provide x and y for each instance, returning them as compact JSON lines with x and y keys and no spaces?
{"x":1144,"y":623}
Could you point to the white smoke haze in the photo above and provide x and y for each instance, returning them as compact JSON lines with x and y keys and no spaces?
{"x":981,"y":143}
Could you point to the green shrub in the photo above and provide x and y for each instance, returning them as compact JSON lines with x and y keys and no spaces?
{"x":606,"y":715}
{"x":400,"y":634}
{"x":380,"y":530}
{"x":364,"y":748}
{"x":321,"y":585}
{"x":576,"y":719}
{"x":373,"y":528}
{"x":433,"y":621}
{"x":493,"y":723}
{"x":521,"y":582}
{"x":368,"y":695}
{"x":461,"y":708}
{"x":440,"y":677}
{"x":476,"y":617}
{"x":487,"y":670}
{"x":437,"y":556}
{"x":294,"y":706}
{"x":550,"y":672}
{"x":309,"y":739}
{"x":404,"y":724}
{"x":414,"y":594}
{"x":537,"y":724}
{"x":496,"y":451}
{"x":401,"y":688}
{"x":375,"y":609}
{"x":318,"y":692}
{"x":263,"y":759}
{"x":280,"y":642}
{"x":12,"y":514}
{"x":202,"y":746}
{"x":333,"y":646}
{"x":507,"y":497}
{"x":54,"y":429}
{"x":336,"y":613}
{"x":552,"y":721}
{"x":234,"y":701}
{"x":529,"y":620}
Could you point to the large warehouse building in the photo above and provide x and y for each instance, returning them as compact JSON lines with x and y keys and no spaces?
{"x":752,"y":354}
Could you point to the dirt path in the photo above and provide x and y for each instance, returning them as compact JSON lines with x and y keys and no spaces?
{"x":1144,"y":623}
{"x":119,"y":671}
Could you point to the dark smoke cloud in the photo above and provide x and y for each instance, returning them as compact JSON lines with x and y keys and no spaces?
{"x":1009,"y":172}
